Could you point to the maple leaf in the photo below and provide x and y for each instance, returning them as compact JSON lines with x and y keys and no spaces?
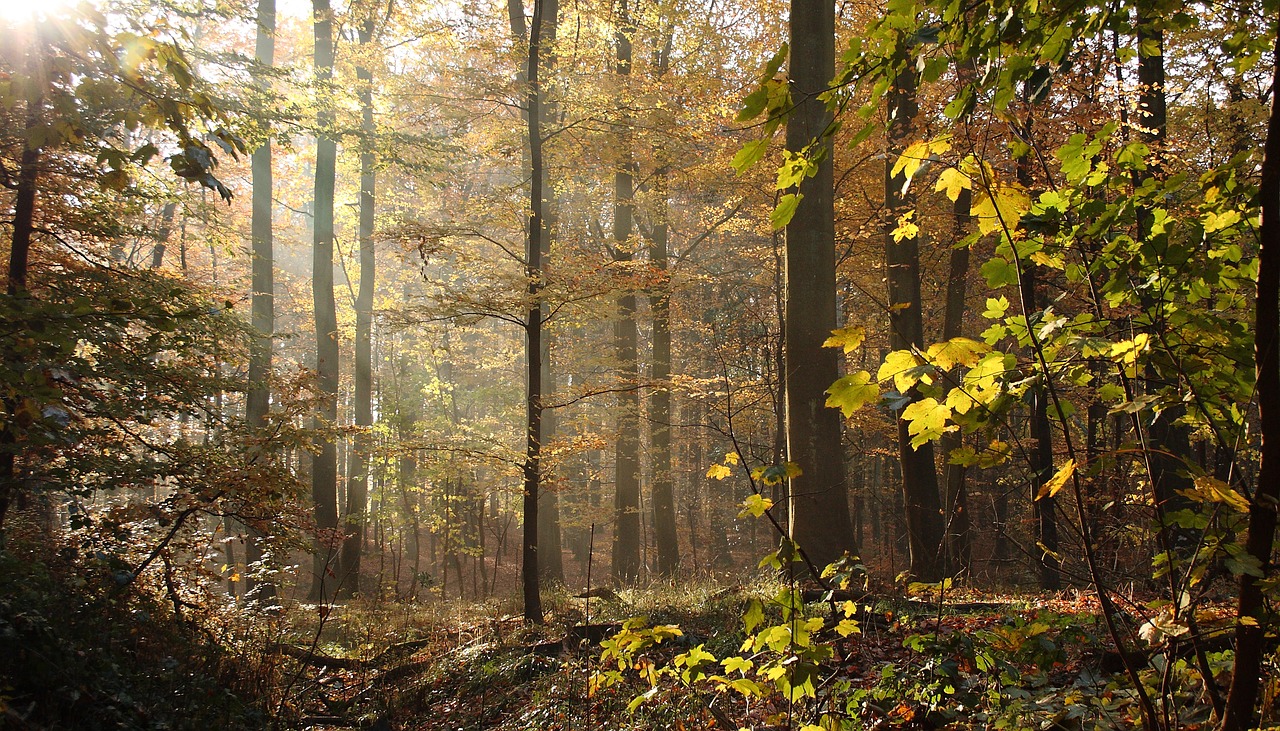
{"x":1000,"y":206}
{"x":848,"y":338}
{"x":1059,"y":479}
{"x":852,"y":392}
{"x":926,"y":420}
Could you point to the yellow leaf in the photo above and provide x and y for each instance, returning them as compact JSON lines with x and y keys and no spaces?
{"x":1000,"y":206}
{"x":900,"y":366}
{"x":957,"y":352}
{"x":848,"y":338}
{"x":926,"y":420}
{"x":906,"y":229}
{"x":1059,"y":479}
{"x":731,"y":458}
{"x":852,"y":392}
{"x":917,"y":153}
{"x":718,"y":472}
{"x":952,"y":181}
{"x":755,"y":505}
{"x":1212,"y":490}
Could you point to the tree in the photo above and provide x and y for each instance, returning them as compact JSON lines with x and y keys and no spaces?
{"x":925,"y":531}
{"x":626,"y":454}
{"x":324,"y":465}
{"x":358,"y":473}
{"x":533,"y":322}
{"x":819,"y":509}
{"x":1251,"y":623}
{"x":262,"y":316}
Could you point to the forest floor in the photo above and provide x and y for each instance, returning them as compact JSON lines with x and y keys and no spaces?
{"x":971,"y":660}
{"x":79,"y":651}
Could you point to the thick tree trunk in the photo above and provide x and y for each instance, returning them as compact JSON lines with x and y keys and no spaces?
{"x":959,"y":542}
{"x":550,"y":544}
{"x":324,"y":467}
{"x":1252,"y":623}
{"x":626,"y":533}
{"x":358,"y":471}
{"x":262,"y":307}
{"x":533,"y":325}
{"x":923,"y":508}
{"x":819,"y":495}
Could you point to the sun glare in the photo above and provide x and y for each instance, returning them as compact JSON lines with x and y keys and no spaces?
{"x":17,"y":11}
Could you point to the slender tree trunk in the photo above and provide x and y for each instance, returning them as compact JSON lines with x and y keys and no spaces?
{"x":1252,"y":622}
{"x":262,"y":307}
{"x":959,"y":541}
{"x":358,"y":472}
{"x":664,"y":508}
{"x":626,"y":534}
{"x":925,"y":531}
{"x":170,"y":208}
{"x":324,"y":467}
{"x":1168,"y":442}
{"x":1040,"y":456}
{"x":533,"y":324}
{"x":819,"y":515}
{"x":24,"y":210}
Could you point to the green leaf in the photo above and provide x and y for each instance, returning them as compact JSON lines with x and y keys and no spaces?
{"x":755,"y":505}
{"x":749,"y":155}
{"x":852,"y":392}
{"x":999,"y":272}
{"x":785,"y":210}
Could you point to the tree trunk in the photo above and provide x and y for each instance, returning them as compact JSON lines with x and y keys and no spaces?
{"x":626,"y":533}
{"x":1040,"y":456}
{"x":551,"y":560}
{"x":1167,"y":441}
{"x":358,"y":471}
{"x":324,"y":469}
{"x":24,"y":209}
{"x":664,"y":508}
{"x":923,"y":509}
{"x":1252,"y":623}
{"x":533,"y":325}
{"x":170,"y":208}
{"x":819,"y":514}
{"x":262,"y":307}
{"x":959,"y":542}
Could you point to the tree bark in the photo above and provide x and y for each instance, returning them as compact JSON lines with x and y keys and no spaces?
{"x":24,"y":209}
{"x":1251,"y":623}
{"x":819,"y":510}
{"x":922,"y":506}
{"x":959,"y":541}
{"x":533,"y":325}
{"x":664,"y":508}
{"x":626,"y":532}
{"x":262,"y":307}
{"x":358,"y":470}
{"x":324,"y":467}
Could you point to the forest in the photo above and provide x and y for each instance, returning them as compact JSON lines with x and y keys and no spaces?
{"x":640,"y":364}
